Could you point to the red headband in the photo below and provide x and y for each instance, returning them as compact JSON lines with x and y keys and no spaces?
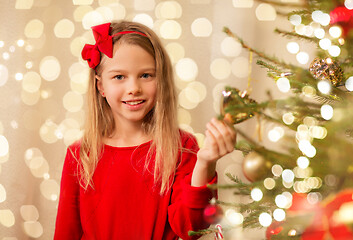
{"x":104,"y":44}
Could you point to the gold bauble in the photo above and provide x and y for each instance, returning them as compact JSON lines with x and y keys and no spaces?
{"x":235,"y":105}
{"x":256,"y":167}
{"x":326,"y":69}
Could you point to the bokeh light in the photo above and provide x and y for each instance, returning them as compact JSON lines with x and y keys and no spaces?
{"x":269,"y":183}
{"x":201,"y":27}
{"x":349,"y":83}
{"x":302,"y":57}
{"x":348,"y":4}
{"x":326,"y":112}
{"x":144,"y":5}
{"x":335,"y":31}
{"x":34,"y":28}
{"x":283,"y":84}
{"x":186,"y":69}
{"x":24,"y":4}
{"x":233,"y":217}
{"x":220,"y":68}
{"x":324,"y":86}
{"x":4,"y":75}
{"x":293,"y":47}
{"x":144,"y":19}
{"x":31,"y":82}
{"x":4,"y":146}
{"x":277,"y":170}
{"x":170,"y":29}
{"x":303,"y":162}
{"x":50,"y":189}
{"x":50,"y":68}
{"x":175,"y":51}
{"x":80,"y":12}
{"x":230,"y":47}
{"x":29,"y":213}
{"x":265,"y":12}
{"x":168,"y":10}
{"x":334,"y":50}
{"x":2,"y":193}
{"x":64,"y":28}
{"x":256,"y":194}
{"x":7,"y":218}
{"x":33,"y":229}
{"x":243,"y":3}
{"x":240,"y":67}
{"x":319,"y":33}
{"x":92,"y":18}
{"x":288,"y":118}
{"x":279,"y":214}
{"x":295,"y":19}
{"x":82,"y":2}
{"x":265,"y":219}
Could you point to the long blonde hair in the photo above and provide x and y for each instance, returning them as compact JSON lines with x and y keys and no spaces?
{"x":161,"y":122}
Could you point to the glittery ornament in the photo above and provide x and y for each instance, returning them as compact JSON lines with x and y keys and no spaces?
{"x":235,"y":105}
{"x":213,"y":213}
{"x":326,"y":69}
{"x":256,"y":167}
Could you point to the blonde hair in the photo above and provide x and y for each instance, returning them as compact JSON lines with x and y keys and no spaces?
{"x":161,"y":122}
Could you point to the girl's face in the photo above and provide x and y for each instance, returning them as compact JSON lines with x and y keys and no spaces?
{"x":128,"y":82}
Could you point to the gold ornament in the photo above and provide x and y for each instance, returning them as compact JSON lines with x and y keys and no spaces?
{"x":256,"y":167}
{"x":328,"y":69}
{"x":239,"y":101}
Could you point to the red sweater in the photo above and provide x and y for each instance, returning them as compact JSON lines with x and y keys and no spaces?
{"x":124,"y":204}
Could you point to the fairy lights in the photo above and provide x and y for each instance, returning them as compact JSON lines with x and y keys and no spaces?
{"x":326,"y":112}
{"x":256,"y":194}
{"x":279,"y":214}
{"x":324,"y":86}
{"x":265,"y":219}
{"x":283,"y":84}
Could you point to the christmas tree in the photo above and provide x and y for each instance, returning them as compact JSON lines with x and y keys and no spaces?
{"x":305,"y":189}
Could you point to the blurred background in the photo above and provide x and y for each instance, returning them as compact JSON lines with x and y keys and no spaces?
{"x":43,"y":83}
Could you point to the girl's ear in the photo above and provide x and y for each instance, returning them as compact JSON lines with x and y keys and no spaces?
{"x":99,"y":84}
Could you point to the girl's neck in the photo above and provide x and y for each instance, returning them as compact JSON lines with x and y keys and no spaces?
{"x":127,"y":137}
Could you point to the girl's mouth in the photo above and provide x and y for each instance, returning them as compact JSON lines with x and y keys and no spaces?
{"x":133,"y":103}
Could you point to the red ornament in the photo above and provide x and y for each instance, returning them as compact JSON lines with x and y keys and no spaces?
{"x":213,"y":214}
{"x":274,"y":229}
{"x":343,"y":17}
{"x":324,"y":225}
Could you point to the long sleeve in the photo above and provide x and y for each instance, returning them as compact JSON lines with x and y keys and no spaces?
{"x":185,"y":212}
{"x":68,"y":224}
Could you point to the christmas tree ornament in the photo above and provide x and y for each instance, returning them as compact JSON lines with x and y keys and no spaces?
{"x":330,"y":219}
{"x":255,"y":167}
{"x":213,"y":213}
{"x":343,"y":17}
{"x":236,"y":105}
{"x":274,"y":229}
{"x":326,"y":69}
{"x":219,"y":233}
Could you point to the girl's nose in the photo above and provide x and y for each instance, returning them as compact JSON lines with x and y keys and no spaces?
{"x":134,"y":86}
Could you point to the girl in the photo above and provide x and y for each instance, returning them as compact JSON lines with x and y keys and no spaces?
{"x":135,"y":174}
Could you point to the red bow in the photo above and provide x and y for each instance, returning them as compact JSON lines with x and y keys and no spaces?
{"x":104,"y":44}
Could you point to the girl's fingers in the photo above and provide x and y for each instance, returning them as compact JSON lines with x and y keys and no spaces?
{"x":217,"y":133}
{"x":227,"y":133}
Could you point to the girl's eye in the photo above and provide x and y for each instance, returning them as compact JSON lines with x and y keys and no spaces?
{"x":146,"y":75}
{"x":119,"y":77}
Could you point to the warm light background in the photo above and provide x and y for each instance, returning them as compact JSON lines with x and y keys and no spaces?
{"x":43,"y":83}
